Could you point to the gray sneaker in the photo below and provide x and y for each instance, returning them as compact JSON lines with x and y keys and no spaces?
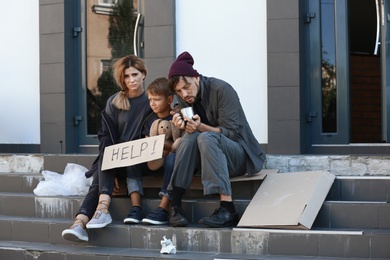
{"x":99,"y":220}
{"x":75,"y":233}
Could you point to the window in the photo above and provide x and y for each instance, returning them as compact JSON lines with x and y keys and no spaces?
{"x":109,"y":35}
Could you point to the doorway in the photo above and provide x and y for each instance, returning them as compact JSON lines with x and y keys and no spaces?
{"x":348,"y":68}
{"x":109,"y":27}
{"x":365,"y":72}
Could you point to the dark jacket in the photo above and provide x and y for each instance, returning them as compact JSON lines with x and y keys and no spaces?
{"x":223,"y":109}
{"x":107,"y":135}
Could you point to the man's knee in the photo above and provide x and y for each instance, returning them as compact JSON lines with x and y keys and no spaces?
{"x":208,"y":139}
{"x":190,"y":137}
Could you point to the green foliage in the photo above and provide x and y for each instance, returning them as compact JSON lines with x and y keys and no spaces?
{"x":121,"y":30}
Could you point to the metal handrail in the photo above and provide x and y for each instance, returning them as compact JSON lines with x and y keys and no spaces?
{"x":135,"y":43}
{"x":377,"y":27}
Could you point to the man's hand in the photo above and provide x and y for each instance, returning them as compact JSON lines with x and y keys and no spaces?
{"x":190,"y":125}
{"x":177,"y":120}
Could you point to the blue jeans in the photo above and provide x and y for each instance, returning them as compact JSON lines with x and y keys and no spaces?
{"x":135,"y":184}
{"x":168,"y":169}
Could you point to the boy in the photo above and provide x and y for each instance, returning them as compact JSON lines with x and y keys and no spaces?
{"x":160,"y":99}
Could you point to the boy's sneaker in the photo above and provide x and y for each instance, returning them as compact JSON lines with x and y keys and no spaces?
{"x":75,"y":233}
{"x":99,"y":220}
{"x":158,"y":216}
{"x":134,"y":216}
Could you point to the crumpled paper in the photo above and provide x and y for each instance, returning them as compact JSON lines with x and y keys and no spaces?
{"x":167,"y":246}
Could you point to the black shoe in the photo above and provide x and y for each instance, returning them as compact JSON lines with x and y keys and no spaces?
{"x":221,"y":218}
{"x":176,"y":218}
{"x":158,"y":216}
{"x":134,"y":216}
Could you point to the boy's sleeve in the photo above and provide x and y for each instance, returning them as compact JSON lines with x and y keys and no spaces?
{"x":148,"y":122}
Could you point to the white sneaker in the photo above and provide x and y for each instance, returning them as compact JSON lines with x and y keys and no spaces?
{"x":99,"y":220}
{"x":75,"y":233}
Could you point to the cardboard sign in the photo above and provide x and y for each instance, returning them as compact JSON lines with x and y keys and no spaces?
{"x":133,"y":152}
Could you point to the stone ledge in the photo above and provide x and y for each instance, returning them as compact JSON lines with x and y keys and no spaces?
{"x":341,"y":165}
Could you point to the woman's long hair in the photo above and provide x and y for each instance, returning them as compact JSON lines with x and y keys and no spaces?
{"x":121,"y":100}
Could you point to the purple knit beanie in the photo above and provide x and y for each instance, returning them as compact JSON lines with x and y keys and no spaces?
{"x":182,"y":66}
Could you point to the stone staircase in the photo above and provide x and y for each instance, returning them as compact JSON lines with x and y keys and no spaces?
{"x":354,"y":221}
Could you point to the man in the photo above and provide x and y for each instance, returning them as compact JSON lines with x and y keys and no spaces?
{"x":218,"y":141}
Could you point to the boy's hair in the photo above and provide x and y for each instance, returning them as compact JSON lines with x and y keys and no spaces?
{"x":159,"y":87}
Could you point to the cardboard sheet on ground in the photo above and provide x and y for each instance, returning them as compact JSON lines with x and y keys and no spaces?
{"x":288,"y":200}
{"x":133,"y":152}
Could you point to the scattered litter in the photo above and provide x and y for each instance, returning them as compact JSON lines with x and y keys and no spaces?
{"x":71,"y":182}
{"x":167,"y":246}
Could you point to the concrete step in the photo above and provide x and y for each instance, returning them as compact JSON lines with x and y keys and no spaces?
{"x":352,"y":223}
{"x":254,"y":243}
{"x":354,"y":214}
{"x":333,"y":214}
{"x":29,"y":205}
{"x":344,"y":188}
{"x":360,"y":188}
{"x":19,"y":182}
{"x":27,"y":182}
{"x":372,"y":212}
{"x":10,"y":250}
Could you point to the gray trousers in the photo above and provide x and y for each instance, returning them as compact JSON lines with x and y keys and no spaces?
{"x":217,"y":157}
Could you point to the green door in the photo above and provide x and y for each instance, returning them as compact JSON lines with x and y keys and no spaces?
{"x":385,"y":67}
{"x":328,"y":113}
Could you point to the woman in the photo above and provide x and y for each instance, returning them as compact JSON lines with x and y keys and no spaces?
{"x":122,"y":121}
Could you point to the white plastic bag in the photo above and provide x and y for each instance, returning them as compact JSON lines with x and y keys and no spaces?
{"x":71,"y":182}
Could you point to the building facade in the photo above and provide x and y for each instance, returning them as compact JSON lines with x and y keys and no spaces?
{"x":326,"y":72}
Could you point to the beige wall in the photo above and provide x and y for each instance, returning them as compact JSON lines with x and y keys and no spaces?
{"x":283,"y":77}
{"x":159,"y":37}
{"x":52,"y":75}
